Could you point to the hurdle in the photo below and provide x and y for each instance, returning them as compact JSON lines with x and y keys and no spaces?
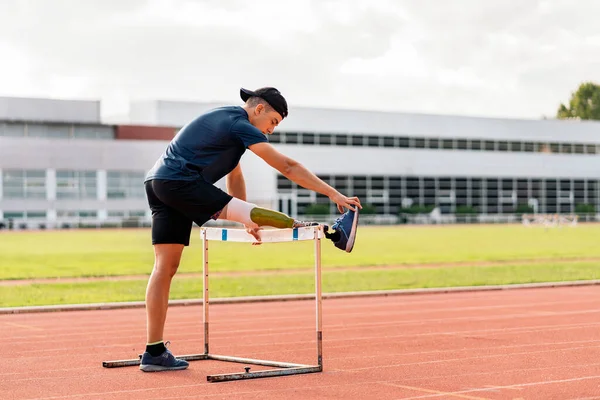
{"x":314,"y":233}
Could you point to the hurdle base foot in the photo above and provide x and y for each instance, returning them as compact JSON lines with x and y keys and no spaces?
{"x":281,"y":368}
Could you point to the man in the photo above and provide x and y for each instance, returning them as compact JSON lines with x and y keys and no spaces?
{"x":181,"y":191}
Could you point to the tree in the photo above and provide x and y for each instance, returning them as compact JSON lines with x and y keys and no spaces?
{"x":584,"y":104}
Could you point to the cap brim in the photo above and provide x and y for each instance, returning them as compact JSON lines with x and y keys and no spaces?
{"x":245,"y":94}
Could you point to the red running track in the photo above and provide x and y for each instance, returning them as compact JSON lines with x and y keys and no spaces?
{"x":513,"y":344}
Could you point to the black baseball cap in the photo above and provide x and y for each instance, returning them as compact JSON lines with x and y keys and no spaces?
{"x":270,"y":95}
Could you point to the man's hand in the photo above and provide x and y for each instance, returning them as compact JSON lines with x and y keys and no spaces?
{"x":347,"y":202}
{"x":254,"y":232}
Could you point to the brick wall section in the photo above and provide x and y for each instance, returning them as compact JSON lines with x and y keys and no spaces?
{"x":140,"y":132}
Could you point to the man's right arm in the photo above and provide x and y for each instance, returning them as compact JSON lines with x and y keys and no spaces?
{"x":299,"y":174}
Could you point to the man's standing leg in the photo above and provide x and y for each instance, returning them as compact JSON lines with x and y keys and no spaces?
{"x":170,"y":234}
{"x":167,"y":258}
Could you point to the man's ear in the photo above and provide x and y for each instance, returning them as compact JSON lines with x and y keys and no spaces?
{"x":259,"y":109}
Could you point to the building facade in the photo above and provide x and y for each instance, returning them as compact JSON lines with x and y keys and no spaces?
{"x":59,"y":163}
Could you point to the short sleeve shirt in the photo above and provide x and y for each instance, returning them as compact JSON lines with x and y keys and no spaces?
{"x":209,"y":147}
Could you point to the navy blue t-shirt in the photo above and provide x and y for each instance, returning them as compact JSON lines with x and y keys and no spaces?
{"x":209,"y":147}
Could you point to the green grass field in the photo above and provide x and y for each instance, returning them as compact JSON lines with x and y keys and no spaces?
{"x":88,"y":253}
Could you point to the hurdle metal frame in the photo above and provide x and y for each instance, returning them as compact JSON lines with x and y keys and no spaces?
{"x":281,"y":368}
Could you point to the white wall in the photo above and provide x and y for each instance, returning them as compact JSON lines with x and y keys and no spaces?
{"x":49,"y":110}
{"x":172,"y":113}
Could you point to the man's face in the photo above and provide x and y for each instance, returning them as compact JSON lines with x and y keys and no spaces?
{"x":265,"y":119}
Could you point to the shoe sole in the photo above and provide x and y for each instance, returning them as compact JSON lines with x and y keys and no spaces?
{"x":352,"y":237}
{"x":158,"y":368}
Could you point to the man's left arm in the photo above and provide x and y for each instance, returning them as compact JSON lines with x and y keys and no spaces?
{"x":236,"y":186}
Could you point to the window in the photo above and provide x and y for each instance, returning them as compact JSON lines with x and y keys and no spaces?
{"x":529,"y":147}
{"x":14,"y":214}
{"x":503,"y":146}
{"x":579,"y":149}
{"x":36,"y":214}
{"x":448,"y":144}
{"x":275,"y":137}
{"x":590,"y":149}
{"x":388,"y":141}
{"x":567,"y":148}
{"x":461,"y":144}
{"x":434,"y":143}
{"x":9,"y":129}
{"x":125,"y":185}
{"x":490,"y":145}
{"x":341,"y":140}
{"x":475,"y":144}
{"x":22,"y":184}
{"x":49,"y":131}
{"x":308,"y":138}
{"x":404,"y":142}
{"x":373,"y":141}
{"x":357,"y":140}
{"x":92,"y":132}
{"x":325,"y":139}
{"x":76,"y":184}
{"x":420,"y":143}
{"x":516,"y":146}
{"x":291,"y":137}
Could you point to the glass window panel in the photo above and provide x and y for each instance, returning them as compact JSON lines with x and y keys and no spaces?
{"x":75,"y":184}
{"x":275,"y":137}
{"x":420,"y":143}
{"x":36,"y":214}
{"x":12,"y":130}
{"x":529,"y":146}
{"x":14,"y":214}
{"x":404,"y":142}
{"x":357,"y":140}
{"x":18,"y":184}
{"x":291,"y":137}
{"x":590,"y":149}
{"x":373,"y":141}
{"x":388,"y":141}
{"x":341,"y":140}
{"x":475,"y":144}
{"x":325,"y":139}
{"x":434,"y":143}
{"x":124,"y":184}
{"x":308,"y":138}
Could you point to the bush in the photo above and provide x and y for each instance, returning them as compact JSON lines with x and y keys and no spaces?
{"x":317,"y":209}
{"x":466,"y":210}
{"x":524,"y":209}
{"x":368,"y":209}
{"x":585,"y":209}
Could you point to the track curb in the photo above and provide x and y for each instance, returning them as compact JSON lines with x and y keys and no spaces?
{"x":263,"y":299}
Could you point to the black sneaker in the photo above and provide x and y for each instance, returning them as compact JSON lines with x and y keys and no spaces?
{"x":165,"y":362}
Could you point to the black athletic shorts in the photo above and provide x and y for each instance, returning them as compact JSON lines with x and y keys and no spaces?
{"x":176,"y":205}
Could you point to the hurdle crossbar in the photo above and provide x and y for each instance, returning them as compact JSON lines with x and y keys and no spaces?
{"x":280,"y":368}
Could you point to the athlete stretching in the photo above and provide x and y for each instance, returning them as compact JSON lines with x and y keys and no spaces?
{"x":181,"y":191}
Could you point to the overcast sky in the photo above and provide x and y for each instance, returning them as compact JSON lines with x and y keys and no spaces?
{"x":499,"y":58}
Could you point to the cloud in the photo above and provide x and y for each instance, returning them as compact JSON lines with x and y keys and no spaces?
{"x":514,"y":58}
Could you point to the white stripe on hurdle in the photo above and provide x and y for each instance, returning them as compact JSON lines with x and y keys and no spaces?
{"x":266,"y":235}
